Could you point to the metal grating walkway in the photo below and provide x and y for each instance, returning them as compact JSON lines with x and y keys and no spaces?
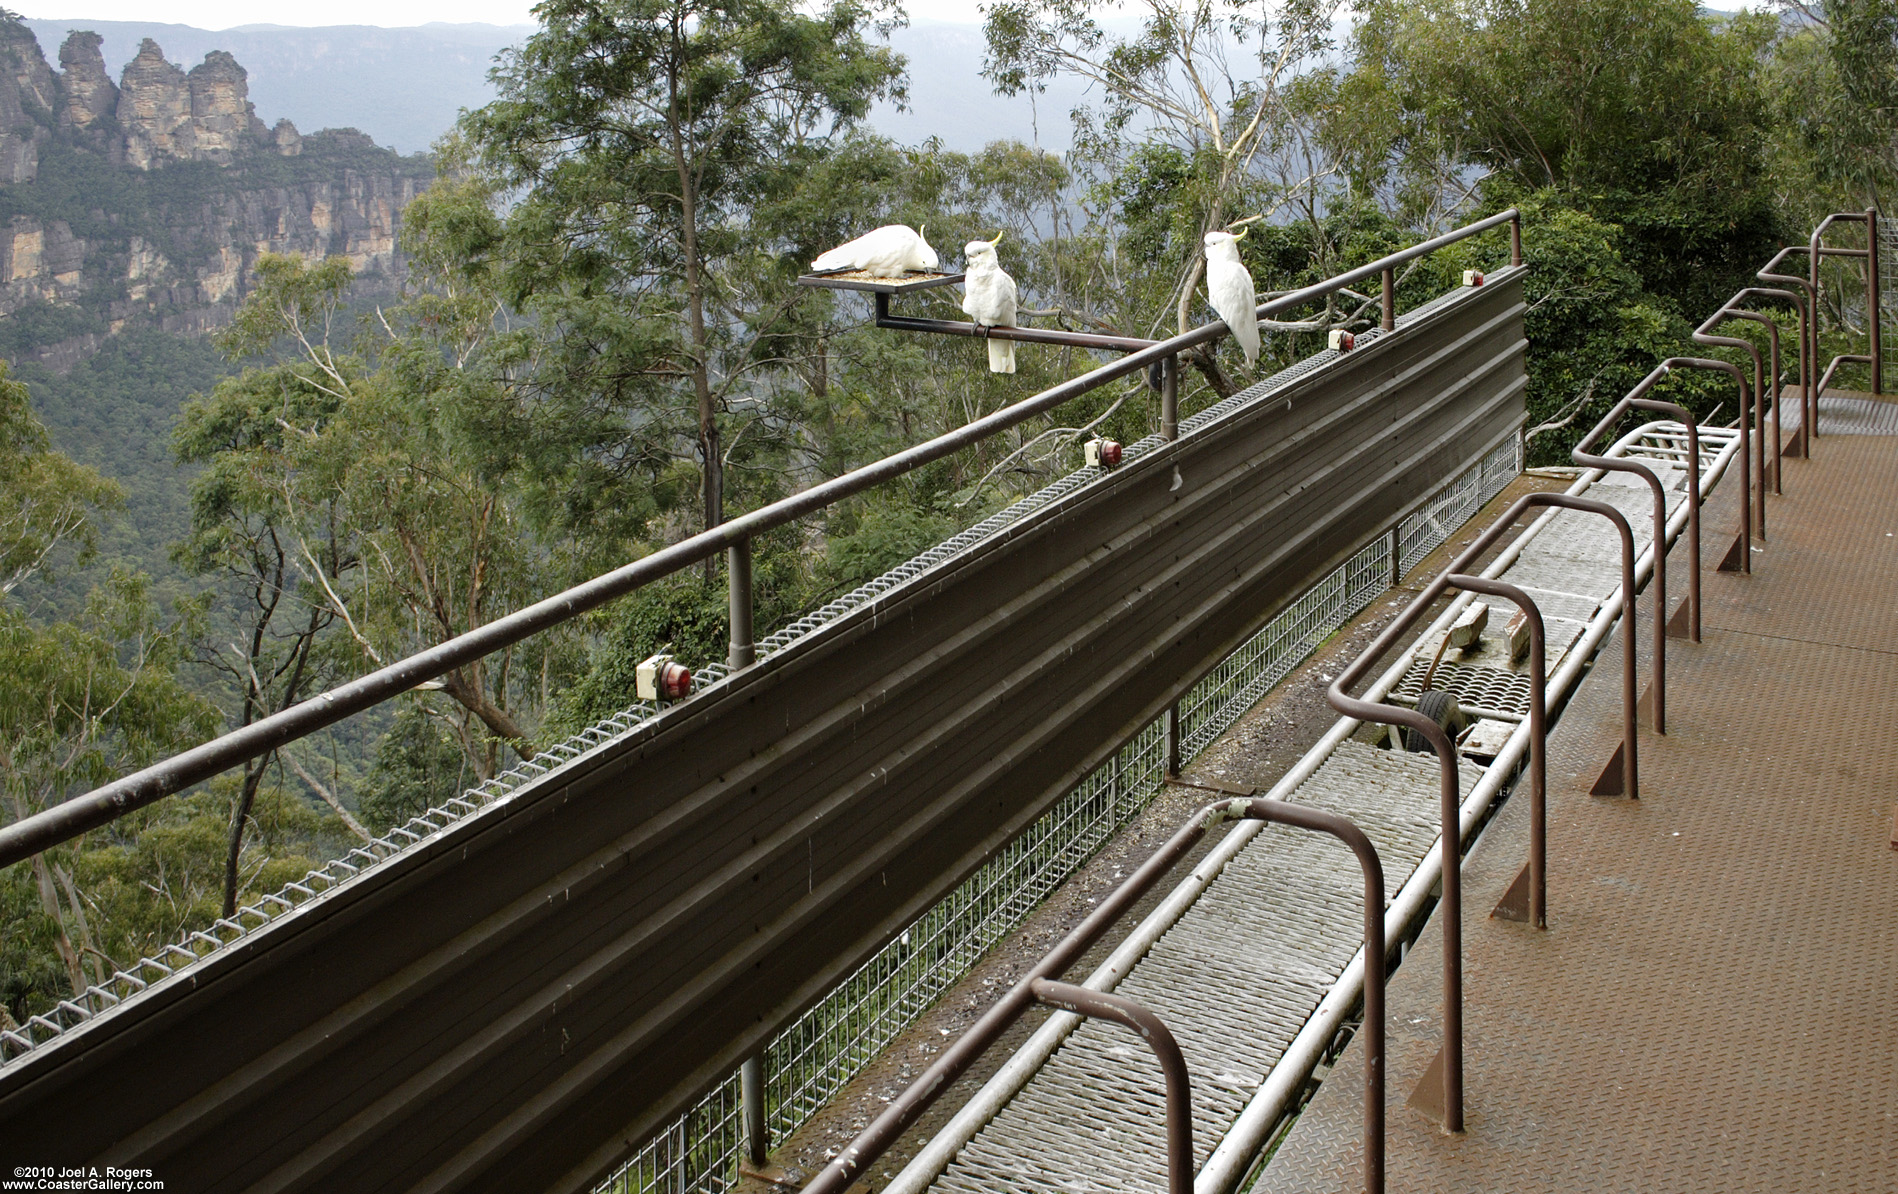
{"x":1242,"y":971}
{"x":1092,"y":1120}
{"x":1712,"y":1008}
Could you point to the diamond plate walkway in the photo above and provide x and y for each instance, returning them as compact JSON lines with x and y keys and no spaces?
{"x":1715,"y":1004}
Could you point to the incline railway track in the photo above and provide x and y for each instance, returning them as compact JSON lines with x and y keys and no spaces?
{"x":1255,"y":961}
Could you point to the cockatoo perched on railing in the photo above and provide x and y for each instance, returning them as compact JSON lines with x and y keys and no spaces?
{"x":1229,"y":286}
{"x":888,"y":252}
{"x":989,"y":298}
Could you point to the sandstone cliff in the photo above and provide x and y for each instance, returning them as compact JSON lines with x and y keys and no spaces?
{"x":148,"y":202}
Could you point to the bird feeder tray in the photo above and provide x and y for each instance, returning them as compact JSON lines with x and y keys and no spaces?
{"x":856,"y":279}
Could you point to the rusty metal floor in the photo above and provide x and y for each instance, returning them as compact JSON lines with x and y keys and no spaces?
{"x":1715,"y":1004}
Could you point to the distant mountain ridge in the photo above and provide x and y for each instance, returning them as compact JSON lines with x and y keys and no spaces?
{"x":404,"y":87}
{"x":146,"y":202}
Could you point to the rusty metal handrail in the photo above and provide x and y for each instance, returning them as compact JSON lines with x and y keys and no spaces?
{"x":1105,"y":1005}
{"x":1815,"y":250}
{"x":955,"y":1060}
{"x":1772,"y":329}
{"x":105,"y":804}
{"x":1808,"y":343}
{"x":1752,"y":503}
{"x":1450,"y":839}
{"x":1538,"y":722}
{"x":1581,"y":455}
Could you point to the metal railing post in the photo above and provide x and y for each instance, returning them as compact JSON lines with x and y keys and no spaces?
{"x":1389,"y":317}
{"x":1515,"y":239}
{"x":751,"y":1099}
{"x":1583,"y":456}
{"x":1808,"y":306}
{"x":1170,"y":398}
{"x":1450,"y":835}
{"x":1538,"y":737}
{"x":1397,"y":554}
{"x":1747,"y":404}
{"x":738,"y":578}
{"x":1171,"y":734}
{"x":1873,"y":316}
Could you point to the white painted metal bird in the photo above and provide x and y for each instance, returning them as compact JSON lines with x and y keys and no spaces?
{"x":888,"y":252}
{"x":989,"y":297}
{"x":1229,"y":286}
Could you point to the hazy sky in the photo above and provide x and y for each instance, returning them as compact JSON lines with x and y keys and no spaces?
{"x":223,"y":14}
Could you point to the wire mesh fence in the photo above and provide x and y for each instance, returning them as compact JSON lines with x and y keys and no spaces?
{"x":809,"y":1063}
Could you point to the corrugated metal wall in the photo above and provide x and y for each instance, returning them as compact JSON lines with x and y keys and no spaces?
{"x":512,"y":1004}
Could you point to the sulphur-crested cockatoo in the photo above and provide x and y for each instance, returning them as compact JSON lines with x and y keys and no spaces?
{"x":888,"y":252}
{"x":1229,"y":286}
{"x":989,"y":298}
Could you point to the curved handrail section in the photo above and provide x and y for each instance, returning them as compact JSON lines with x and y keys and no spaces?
{"x":1584,"y":455}
{"x":1041,"y":986}
{"x":1816,"y":248}
{"x":1450,"y":802}
{"x":173,"y":775}
{"x":1105,"y":1005}
{"x":1752,"y":501}
{"x":1538,"y":724}
{"x":1808,"y":342}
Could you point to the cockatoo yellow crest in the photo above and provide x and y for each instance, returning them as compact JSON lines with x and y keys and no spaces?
{"x":888,"y":252}
{"x":1229,"y":287}
{"x":989,"y":297}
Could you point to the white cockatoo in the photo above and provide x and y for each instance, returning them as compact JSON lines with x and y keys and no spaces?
{"x":989,"y":298}
{"x":1229,"y":286}
{"x":888,"y":252}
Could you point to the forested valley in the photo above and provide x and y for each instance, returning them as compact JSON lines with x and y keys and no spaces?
{"x":597,"y":347}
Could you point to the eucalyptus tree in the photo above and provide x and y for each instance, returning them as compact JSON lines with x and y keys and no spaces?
{"x":638,"y":135}
{"x":80,"y":701}
{"x":1195,"y":127}
{"x":1834,"y":80}
{"x":1648,"y":114}
{"x":48,"y":503}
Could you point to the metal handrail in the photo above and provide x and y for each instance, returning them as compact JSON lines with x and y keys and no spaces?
{"x":1752,"y":504}
{"x":1816,"y":250}
{"x":1538,"y":724}
{"x":1450,"y":837}
{"x":1581,"y":455}
{"x":173,"y":775}
{"x":965,"y":1050}
{"x":1772,"y":329}
{"x":1808,"y":343}
{"x":1105,"y":1005}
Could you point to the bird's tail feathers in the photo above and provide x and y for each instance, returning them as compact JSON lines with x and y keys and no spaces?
{"x":1001,"y":356}
{"x":834,"y":259}
{"x":1247,"y":334}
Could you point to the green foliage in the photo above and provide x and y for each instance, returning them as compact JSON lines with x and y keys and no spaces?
{"x":81,"y":702}
{"x":46,"y":500}
{"x":1644,"y":113}
{"x":113,"y":412}
{"x":417,"y":767}
{"x":639,"y":133}
{"x":46,"y":323}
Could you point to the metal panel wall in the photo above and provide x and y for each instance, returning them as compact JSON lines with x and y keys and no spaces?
{"x":512,"y":1005}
